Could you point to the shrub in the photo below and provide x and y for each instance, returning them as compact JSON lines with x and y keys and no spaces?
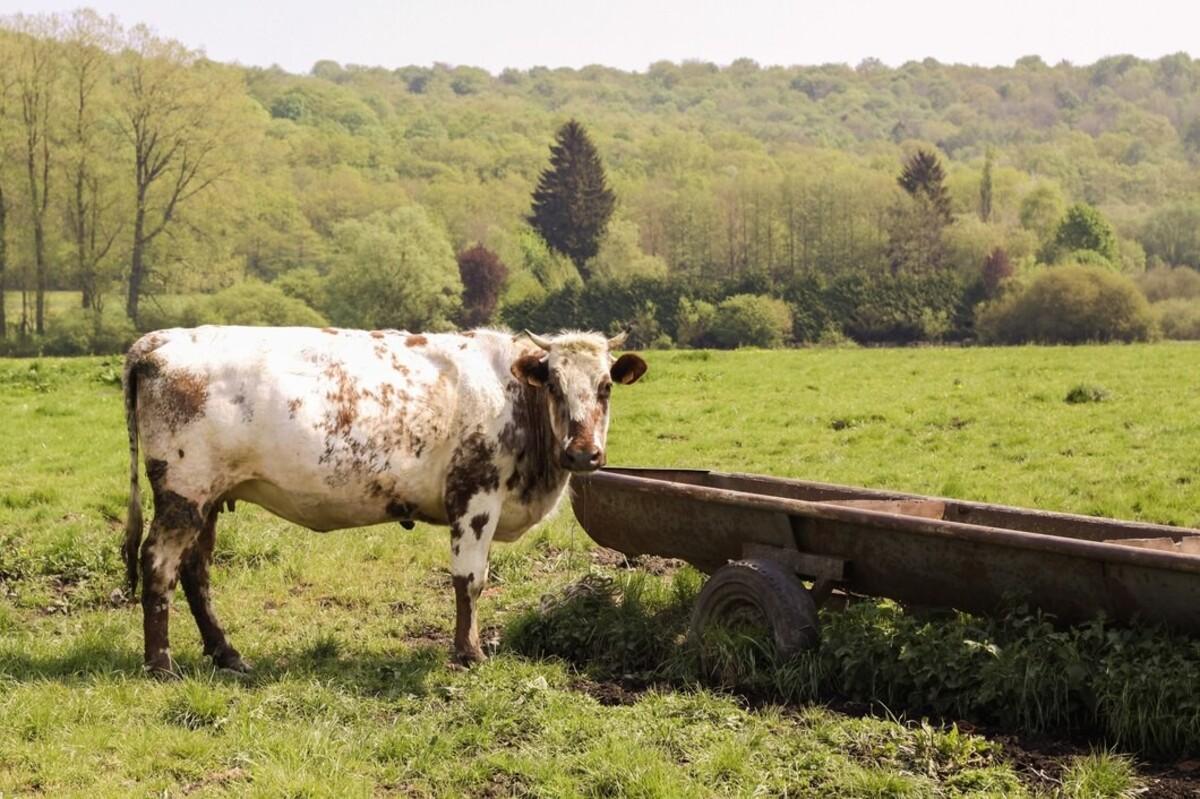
{"x":694,"y":322}
{"x":605,"y":305}
{"x":1085,"y":393}
{"x":900,"y":308}
{"x":1179,"y":319}
{"x":483,"y":275}
{"x":250,"y":302}
{"x":88,"y":332}
{"x":255,"y":303}
{"x":393,"y":269}
{"x":305,"y":284}
{"x":997,"y":268}
{"x":751,"y":320}
{"x":1069,"y":305}
{"x":1085,"y":228}
{"x":1165,"y":283}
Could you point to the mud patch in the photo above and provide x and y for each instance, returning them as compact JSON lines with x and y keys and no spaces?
{"x":660,"y":567}
{"x":608,"y":694}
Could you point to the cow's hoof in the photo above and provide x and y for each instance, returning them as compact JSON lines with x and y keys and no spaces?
{"x":164,"y":670}
{"x":231,"y":661}
{"x":469,"y":657}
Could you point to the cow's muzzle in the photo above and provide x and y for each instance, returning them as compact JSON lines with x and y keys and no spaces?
{"x":582,"y":459}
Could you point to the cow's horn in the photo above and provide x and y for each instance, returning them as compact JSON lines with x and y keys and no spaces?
{"x":618,"y":340}
{"x":544,"y":343}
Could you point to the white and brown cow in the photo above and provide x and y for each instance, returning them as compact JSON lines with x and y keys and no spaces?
{"x":332,"y":428}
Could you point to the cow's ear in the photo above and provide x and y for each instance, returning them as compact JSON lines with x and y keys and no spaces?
{"x":628,"y":369}
{"x":532,"y":369}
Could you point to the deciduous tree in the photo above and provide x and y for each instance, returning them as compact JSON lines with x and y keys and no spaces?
{"x":36,"y":71}
{"x":175,"y":111}
{"x":393,"y":270}
{"x":483,"y":275}
{"x":87,"y":43}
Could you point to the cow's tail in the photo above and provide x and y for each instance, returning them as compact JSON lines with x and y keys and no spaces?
{"x":133,"y":520}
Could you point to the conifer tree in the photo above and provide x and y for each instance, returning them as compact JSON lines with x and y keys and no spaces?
{"x":924,"y":179}
{"x":572,"y":202}
{"x":985,"y":188}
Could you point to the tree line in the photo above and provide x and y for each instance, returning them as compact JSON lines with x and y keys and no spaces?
{"x":160,"y":187}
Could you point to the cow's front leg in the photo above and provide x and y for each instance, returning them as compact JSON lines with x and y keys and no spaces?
{"x":470,"y":543}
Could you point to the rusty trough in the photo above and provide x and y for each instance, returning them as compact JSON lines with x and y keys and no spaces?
{"x":759,"y":536}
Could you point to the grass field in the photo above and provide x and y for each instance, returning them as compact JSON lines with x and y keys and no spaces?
{"x":353,"y":693}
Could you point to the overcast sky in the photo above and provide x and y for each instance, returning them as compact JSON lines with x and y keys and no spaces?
{"x":631,"y":34}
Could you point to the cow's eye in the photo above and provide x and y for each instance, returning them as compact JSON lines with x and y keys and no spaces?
{"x":555,"y":391}
{"x":605,"y":391}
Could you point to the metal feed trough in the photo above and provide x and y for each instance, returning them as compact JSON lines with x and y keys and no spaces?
{"x":760,"y":536}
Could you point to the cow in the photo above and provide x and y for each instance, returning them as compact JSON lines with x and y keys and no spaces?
{"x":334,"y":428}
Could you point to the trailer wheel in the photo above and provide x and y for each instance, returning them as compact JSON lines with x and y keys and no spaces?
{"x":761,"y":592}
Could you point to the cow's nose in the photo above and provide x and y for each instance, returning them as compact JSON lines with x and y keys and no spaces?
{"x":584,"y":459}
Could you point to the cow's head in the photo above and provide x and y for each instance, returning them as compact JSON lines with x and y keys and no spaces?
{"x":575,"y":372}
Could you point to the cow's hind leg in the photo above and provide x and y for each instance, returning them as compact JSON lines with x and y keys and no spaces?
{"x":194,"y":576}
{"x":162,"y":552}
{"x":470,"y":545}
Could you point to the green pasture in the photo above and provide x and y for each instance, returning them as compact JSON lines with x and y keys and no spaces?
{"x":353,"y":692}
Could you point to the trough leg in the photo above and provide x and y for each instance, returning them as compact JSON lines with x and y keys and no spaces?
{"x":194,"y":576}
{"x":470,"y":545}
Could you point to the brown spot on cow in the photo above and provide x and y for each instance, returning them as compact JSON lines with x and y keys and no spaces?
{"x":182,"y":395}
{"x":416,"y":341}
{"x":293,"y":405}
{"x":247,"y":408}
{"x":171,"y":510}
{"x":330,"y":330}
{"x":156,"y":471}
{"x":530,"y":439}
{"x":471,"y":472}
{"x":469,"y":334}
{"x":478,"y":522}
{"x":376,"y":334}
{"x":344,"y":396}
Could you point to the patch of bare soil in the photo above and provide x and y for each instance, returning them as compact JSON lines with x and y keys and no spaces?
{"x":606,"y":693}
{"x":216,"y":778}
{"x":1040,"y":762}
{"x":660,"y":567}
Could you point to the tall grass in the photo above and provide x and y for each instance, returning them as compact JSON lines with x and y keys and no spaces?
{"x":1132,"y":688}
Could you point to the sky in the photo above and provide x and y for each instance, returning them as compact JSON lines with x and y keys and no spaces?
{"x":632,"y":34}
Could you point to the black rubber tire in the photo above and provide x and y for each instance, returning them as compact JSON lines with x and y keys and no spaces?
{"x":767,"y":589}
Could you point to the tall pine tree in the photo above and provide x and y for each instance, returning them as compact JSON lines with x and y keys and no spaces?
{"x":572,"y":202}
{"x":924,"y":179}
{"x":915,"y":244}
{"x":985,"y":188}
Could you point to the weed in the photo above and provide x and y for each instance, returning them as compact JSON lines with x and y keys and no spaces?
{"x":1085,"y":392}
{"x":195,"y":705}
{"x":1100,"y":775}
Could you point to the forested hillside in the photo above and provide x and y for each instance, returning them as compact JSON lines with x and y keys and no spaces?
{"x":143,"y":176}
